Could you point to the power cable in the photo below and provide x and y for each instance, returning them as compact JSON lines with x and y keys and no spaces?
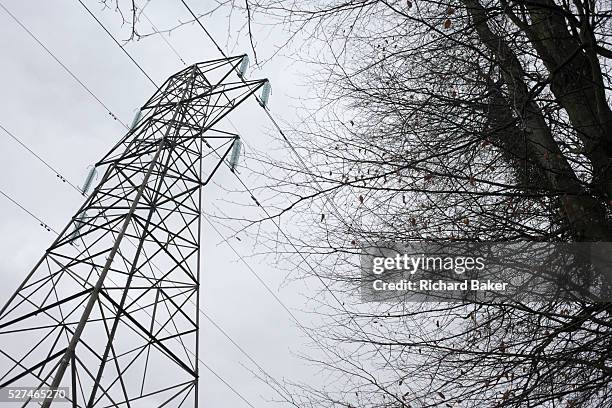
{"x":118,"y":44}
{"x":72,"y":74}
{"x":42,"y":223}
{"x":43,"y":161}
{"x":204,"y":29}
{"x":250,"y":268}
{"x":156,"y":31}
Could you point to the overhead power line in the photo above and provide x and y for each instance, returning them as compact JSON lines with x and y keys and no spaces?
{"x":156,"y":31}
{"x":68,"y":70}
{"x":204,"y":29}
{"x":31,"y":214}
{"x":118,"y":44}
{"x":40,"y":159}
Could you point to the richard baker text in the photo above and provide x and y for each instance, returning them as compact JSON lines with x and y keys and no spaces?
{"x":430,"y":285}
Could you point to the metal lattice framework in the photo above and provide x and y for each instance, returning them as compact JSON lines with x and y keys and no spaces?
{"x":111,"y":309}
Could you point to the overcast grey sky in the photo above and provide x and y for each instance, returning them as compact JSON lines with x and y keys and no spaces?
{"x":54,"y":116}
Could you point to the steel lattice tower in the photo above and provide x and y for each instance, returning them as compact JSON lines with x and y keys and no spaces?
{"x":111,"y":309}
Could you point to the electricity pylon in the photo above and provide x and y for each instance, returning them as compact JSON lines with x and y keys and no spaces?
{"x":111,"y":309}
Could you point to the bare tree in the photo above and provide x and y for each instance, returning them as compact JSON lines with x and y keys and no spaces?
{"x":451,"y":120}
